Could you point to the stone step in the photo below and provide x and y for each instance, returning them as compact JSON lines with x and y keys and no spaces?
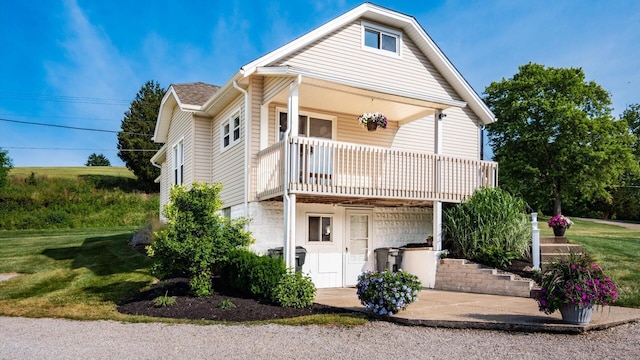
{"x":560,"y":248}
{"x":550,"y":257}
{"x":553,"y":240}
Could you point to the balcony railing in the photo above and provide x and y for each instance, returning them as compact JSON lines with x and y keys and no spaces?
{"x":324,"y":167}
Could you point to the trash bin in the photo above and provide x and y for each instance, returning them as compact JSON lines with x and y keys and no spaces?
{"x":387,"y":259}
{"x":301,"y":255}
{"x":382,"y":257}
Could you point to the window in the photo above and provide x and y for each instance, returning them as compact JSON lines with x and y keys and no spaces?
{"x":178,"y":163}
{"x":231,"y":131}
{"x":319,"y":229}
{"x":226,"y":212}
{"x":375,"y":37}
{"x":312,"y":125}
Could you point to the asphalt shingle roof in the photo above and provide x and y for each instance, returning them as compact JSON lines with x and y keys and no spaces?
{"x":196,"y":93}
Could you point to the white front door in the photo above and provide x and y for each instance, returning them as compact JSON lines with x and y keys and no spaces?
{"x":357,"y":244}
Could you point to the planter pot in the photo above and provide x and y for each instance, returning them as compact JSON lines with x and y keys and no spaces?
{"x":371,"y":126}
{"x":559,"y":230}
{"x":576,"y":314}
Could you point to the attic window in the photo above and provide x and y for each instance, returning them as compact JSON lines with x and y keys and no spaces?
{"x":381,"y":39}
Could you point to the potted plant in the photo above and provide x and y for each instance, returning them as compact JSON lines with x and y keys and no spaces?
{"x":574,"y":287}
{"x":373,"y":120}
{"x":560,"y":224}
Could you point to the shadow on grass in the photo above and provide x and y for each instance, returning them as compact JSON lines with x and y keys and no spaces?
{"x":118,"y":269}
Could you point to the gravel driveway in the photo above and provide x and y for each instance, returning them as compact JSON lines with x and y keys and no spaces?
{"x":22,"y":338}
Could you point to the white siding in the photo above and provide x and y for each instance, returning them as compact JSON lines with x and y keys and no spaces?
{"x":460,"y":134}
{"x":181,"y":128}
{"x":341,"y":54}
{"x":165,"y":185}
{"x":228,"y":165}
{"x":202,"y":150}
{"x":255,"y":94}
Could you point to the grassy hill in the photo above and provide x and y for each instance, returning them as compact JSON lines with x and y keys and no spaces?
{"x":74,"y":197}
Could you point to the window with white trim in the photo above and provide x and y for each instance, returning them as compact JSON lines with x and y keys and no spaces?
{"x":382,"y":39}
{"x":178,"y":163}
{"x":231,"y":131}
{"x":319,"y":227}
{"x":312,"y":125}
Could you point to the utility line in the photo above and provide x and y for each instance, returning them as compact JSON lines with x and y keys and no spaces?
{"x":69,"y":149}
{"x":72,"y":127}
{"x":62,"y":98}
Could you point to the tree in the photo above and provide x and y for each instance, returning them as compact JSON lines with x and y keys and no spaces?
{"x":632,"y":116}
{"x":555,"y":138}
{"x":97,"y":160}
{"x":5,"y":165}
{"x":134,"y":141}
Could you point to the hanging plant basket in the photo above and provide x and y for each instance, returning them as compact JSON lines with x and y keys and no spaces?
{"x":372,"y":121}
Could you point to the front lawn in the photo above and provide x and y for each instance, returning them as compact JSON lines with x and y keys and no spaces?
{"x":86,"y":273}
{"x":77,"y":274}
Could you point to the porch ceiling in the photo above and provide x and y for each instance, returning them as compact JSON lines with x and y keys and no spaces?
{"x":348,"y":99}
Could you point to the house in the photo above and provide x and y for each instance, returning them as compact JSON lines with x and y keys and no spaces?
{"x":283,"y":137}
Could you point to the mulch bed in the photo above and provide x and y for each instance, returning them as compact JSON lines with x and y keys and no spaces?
{"x":187,"y":306}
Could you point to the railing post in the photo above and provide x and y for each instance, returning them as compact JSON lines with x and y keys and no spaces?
{"x":535,"y":242}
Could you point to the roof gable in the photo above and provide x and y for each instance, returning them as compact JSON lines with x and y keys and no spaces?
{"x":406,"y":23}
{"x":196,"y":93}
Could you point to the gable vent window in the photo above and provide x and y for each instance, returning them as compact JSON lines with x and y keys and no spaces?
{"x":231,"y":131}
{"x":378,"y":38}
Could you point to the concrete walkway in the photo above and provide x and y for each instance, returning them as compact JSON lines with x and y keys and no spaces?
{"x":449,"y":309}
{"x":628,"y":225}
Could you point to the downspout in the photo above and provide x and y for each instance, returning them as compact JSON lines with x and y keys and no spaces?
{"x":247,"y":126}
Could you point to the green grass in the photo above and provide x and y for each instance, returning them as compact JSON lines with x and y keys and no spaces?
{"x":72,"y":172}
{"x":77,"y":274}
{"x":43,"y":198}
{"x":615,"y":248}
{"x":84,"y":273}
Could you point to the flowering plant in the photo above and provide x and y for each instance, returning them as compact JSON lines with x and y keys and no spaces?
{"x":578,"y":281}
{"x":560,"y":220}
{"x":378,"y":118}
{"x":386,"y":293}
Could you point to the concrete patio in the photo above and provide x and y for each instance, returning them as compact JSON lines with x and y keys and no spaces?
{"x":449,"y":309}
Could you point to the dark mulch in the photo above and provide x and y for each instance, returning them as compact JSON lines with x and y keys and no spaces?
{"x":187,"y":306}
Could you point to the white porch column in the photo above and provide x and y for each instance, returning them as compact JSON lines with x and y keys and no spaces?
{"x":437,"y":205}
{"x":290,"y":199}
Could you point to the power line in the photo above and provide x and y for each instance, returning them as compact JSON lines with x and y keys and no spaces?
{"x":69,"y":149}
{"x":62,"y":98}
{"x":72,"y":127}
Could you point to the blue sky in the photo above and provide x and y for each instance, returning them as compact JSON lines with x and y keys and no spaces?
{"x":80,"y":62}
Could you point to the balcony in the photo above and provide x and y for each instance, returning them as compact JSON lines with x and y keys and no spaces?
{"x":319,"y":167}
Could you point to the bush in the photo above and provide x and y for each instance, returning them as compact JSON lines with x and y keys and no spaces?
{"x":492,"y":228}
{"x":386,"y":293}
{"x":196,"y":238}
{"x":252,"y":274}
{"x":294,"y":290}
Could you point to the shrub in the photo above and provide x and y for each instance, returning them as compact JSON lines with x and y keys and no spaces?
{"x":294,"y":290}
{"x":492,"y":227}
{"x":386,"y":293}
{"x":196,"y":238}
{"x":252,"y":274}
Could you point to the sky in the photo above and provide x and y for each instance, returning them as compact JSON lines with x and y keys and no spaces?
{"x":80,"y":63}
